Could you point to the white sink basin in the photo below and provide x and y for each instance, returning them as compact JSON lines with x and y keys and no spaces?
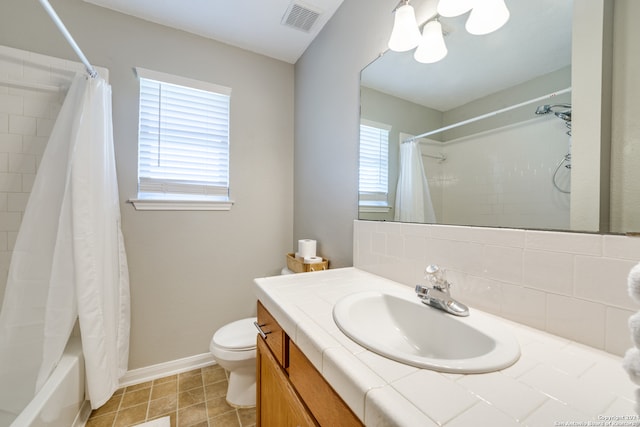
{"x":400,"y":327}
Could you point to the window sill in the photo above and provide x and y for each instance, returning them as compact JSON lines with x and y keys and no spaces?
{"x":374,"y":208}
{"x":180,"y":203}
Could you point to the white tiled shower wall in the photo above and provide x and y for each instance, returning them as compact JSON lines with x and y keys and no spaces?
{"x":26,"y":119}
{"x":573,"y":285}
{"x":477,"y":186}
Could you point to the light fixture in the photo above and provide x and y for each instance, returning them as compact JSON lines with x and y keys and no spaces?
{"x":405,"y":34}
{"x":487,"y":16}
{"x":431,"y":48}
{"x":451,"y":8}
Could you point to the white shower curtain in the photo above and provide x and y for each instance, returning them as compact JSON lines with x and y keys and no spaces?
{"x":413,"y":200}
{"x":69,"y":260}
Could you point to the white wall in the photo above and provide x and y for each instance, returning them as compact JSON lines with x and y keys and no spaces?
{"x":327,"y":120}
{"x":190,"y":272}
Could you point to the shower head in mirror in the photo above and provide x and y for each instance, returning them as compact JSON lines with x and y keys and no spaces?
{"x":546,"y":109}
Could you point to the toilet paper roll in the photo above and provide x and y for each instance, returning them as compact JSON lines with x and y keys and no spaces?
{"x":306,"y":247}
{"x":313,"y":259}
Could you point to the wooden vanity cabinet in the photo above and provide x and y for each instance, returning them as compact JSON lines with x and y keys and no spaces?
{"x":290,"y":391}
{"x":277,"y":402}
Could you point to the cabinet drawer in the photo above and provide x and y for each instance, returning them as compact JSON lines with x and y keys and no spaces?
{"x":323,"y":402}
{"x":275,"y":336}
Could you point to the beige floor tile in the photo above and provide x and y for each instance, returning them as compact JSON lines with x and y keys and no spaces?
{"x":216,"y":389}
{"x":218,"y":406}
{"x":189,"y":382}
{"x":165,"y":379}
{"x":192,"y":415}
{"x":134,"y":398}
{"x":101,"y":421}
{"x":138,"y":386}
{"x":164,"y":389}
{"x":213,"y":374}
{"x":191,"y":397}
{"x":190,"y":373}
{"x":163,"y":406}
{"x":247,"y":416}
{"x":130,"y":416}
{"x":230,"y":419}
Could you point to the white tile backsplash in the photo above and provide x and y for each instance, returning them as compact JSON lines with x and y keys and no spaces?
{"x":524,"y":305}
{"x":503,"y":263}
{"x":621,"y":247}
{"x":576,"y":319}
{"x":573,"y":243}
{"x":549,"y":271}
{"x":604,"y":280}
{"x":570,"y":284}
{"x":616,"y":321}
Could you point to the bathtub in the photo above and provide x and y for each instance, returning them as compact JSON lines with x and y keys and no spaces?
{"x":60,"y":402}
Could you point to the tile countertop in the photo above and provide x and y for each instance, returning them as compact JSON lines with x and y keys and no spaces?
{"x":555,"y":382}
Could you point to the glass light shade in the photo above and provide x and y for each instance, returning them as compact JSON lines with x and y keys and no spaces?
{"x":487,"y":16}
{"x":451,"y":8}
{"x":431,"y":48}
{"x":405,"y":34}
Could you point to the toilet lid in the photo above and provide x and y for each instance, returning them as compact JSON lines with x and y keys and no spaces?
{"x":239,"y":335}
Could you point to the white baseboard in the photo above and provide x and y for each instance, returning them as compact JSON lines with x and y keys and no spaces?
{"x":83,"y":415}
{"x":148,"y":373}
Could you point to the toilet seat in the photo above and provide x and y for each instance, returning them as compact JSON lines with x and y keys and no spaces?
{"x":236,"y":336}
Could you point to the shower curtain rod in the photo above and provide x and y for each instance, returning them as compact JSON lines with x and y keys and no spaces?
{"x":56,"y":20}
{"x":30,"y":85}
{"x":484,"y":116}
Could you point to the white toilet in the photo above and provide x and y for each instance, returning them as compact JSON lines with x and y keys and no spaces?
{"x":233,"y":346}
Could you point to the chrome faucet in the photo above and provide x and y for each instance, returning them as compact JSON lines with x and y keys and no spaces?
{"x":439,"y":295}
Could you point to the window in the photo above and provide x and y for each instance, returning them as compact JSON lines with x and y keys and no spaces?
{"x":183,"y":144}
{"x":374,"y":165}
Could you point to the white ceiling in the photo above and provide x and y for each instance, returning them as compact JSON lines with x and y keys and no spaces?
{"x":535,"y":41}
{"x":253,"y":25}
{"x":538,"y":36}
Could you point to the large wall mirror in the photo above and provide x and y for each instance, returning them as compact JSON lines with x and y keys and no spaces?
{"x":499,"y":142}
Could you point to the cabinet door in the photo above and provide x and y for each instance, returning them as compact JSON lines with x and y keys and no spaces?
{"x":278,"y":405}
{"x":275,"y":336}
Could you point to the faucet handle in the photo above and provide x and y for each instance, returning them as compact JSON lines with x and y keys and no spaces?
{"x":434,"y":273}
{"x":436,"y":277}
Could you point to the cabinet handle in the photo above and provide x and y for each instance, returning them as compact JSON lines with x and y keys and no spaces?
{"x":262,"y":333}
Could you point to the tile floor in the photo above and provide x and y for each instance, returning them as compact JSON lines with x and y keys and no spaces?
{"x":192,"y":399}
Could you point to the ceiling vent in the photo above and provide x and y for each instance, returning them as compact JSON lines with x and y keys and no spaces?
{"x":300,"y":16}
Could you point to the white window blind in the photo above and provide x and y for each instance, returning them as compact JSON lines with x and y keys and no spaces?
{"x":374,"y":164}
{"x":183,"y":139}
